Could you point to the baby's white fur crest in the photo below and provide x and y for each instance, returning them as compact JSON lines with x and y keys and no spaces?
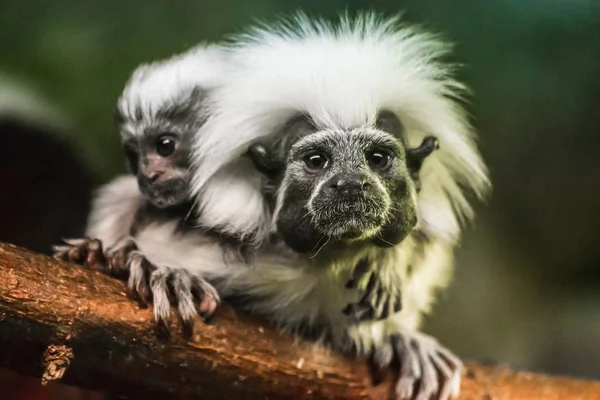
{"x":341,"y":76}
{"x":157,"y":84}
{"x":152,"y":87}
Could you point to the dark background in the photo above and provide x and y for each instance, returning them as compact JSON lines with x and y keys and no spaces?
{"x":527,"y":286}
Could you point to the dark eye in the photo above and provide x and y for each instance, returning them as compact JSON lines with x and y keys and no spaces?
{"x":165,"y":146}
{"x":379,"y":159}
{"x":315,"y":162}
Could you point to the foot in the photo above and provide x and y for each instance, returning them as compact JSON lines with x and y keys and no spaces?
{"x":83,"y":251}
{"x":422,"y":367}
{"x":146,"y":282}
{"x":90,"y":254}
{"x":163,"y":286}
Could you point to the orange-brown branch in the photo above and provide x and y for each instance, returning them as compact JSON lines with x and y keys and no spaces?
{"x":60,"y":321}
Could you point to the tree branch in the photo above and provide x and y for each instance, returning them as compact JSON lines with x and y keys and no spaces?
{"x":59,"y":320}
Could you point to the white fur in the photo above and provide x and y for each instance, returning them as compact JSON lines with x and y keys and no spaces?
{"x":232,"y":196}
{"x":151,"y":87}
{"x":294,"y":291}
{"x":113,"y":210}
{"x":341,"y":75}
{"x":155,"y":85}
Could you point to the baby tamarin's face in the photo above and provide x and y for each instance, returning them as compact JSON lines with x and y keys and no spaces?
{"x":157,"y":138}
{"x":160,"y":160}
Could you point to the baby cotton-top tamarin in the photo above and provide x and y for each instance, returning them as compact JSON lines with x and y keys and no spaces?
{"x":158,"y":113}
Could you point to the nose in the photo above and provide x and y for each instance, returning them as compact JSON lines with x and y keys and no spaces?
{"x":349,"y":185}
{"x":151,"y":174}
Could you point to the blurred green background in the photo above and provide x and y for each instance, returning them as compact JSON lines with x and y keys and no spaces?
{"x":527,"y":286}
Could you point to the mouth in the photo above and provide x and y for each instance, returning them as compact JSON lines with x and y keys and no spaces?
{"x":350,"y":221}
{"x":352,"y":228}
{"x":167,"y":194}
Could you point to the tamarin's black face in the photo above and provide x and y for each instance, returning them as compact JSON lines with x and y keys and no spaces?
{"x":346,"y":185}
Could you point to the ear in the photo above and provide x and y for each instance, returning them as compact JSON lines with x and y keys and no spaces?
{"x":388,"y":122}
{"x":131,"y":157}
{"x":270,"y":159}
{"x":264,"y":160}
{"x":415,"y":157}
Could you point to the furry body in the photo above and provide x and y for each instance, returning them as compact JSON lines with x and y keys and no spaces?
{"x":165,"y":96}
{"x":159,"y":111}
{"x":342,"y":77}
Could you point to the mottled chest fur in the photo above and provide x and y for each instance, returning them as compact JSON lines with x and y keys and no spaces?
{"x":324,"y":296}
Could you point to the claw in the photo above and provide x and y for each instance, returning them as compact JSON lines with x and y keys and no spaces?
{"x":208,"y":297}
{"x":182,"y":291}
{"x":409,"y":368}
{"x":423,"y":367}
{"x":160,"y":295}
{"x":451,"y":369}
{"x":60,"y":249}
{"x":77,"y":254}
{"x":76,"y":241}
{"x":447,"y":375}
{"x":83,"y":251}
{"x":429,"y":381}
{"x":163,"y":286}
{"x":95,"y":257}
{"x":137,"y":284}
{"x":119,"y":257}
{"x":162,"y":330}
{"x":380,"y":359}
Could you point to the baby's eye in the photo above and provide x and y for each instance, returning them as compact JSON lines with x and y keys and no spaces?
{"x":165,"y":146}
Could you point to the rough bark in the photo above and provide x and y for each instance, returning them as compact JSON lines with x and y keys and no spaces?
{"x":59,"y":321}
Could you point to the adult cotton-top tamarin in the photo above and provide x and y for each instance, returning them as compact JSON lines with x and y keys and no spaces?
{"x":339,"y":113}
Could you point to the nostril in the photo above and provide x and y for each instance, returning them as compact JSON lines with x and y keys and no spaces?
{"x":349,"y":185}
{"x":337,"y":184}
{"x":153,"y":176}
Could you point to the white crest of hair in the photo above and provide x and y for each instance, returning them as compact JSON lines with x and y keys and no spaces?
{"x":113,"y":210}
{"x":341,"y":75}
{"x":157,"y":84}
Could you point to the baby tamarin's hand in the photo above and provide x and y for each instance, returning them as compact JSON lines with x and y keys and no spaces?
{"x":89,"y":253}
